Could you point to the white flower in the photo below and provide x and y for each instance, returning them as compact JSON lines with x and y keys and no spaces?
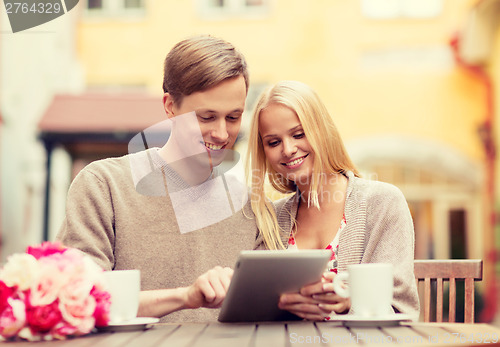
{"x":46,"y":285}
{"x":94,"y":272}
{"x":26,"y":334}
{"x":19,"y":271}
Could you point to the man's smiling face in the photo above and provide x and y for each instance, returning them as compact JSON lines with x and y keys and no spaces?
{"x":218,"y":111}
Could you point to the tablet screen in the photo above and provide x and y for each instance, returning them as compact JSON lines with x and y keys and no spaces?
{"x":260,"y":277}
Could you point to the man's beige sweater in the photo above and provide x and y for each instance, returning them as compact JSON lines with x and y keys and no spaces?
{"x":120,"y":212}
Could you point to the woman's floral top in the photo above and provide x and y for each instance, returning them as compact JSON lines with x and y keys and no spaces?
{"x":334,"y":246}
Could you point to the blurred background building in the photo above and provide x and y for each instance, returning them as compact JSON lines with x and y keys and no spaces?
{"x":411,"y":85}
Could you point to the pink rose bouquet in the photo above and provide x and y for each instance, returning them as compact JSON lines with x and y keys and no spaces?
{"x":51,"y":292}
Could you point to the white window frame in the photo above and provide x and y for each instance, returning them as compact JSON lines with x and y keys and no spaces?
{"x":232,"y":8}
{"x":391,"y":9}
{"x":115,"y":8}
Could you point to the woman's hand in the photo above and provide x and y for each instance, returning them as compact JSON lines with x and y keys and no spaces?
{"x":315,"y":301}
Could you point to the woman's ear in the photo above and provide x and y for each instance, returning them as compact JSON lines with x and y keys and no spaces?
{"x":168,"y":105}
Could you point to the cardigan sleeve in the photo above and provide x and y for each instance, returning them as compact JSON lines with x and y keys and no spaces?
{"x":390,"y":239}
{"x":89,"y":221}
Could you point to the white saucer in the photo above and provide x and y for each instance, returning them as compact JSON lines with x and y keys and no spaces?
{"x":360,"y":321}
{"x":139,"y":323}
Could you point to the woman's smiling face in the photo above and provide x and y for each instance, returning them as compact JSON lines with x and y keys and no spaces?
{"x":285,"y":144}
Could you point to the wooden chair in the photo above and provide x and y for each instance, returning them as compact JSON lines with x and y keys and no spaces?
{"x":438,"y":271}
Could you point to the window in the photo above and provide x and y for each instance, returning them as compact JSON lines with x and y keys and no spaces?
{"x":389,"y":9}
{"x":215,"y":9}
{"x":250,"y":3}
{"x":217,"y":3}
{"x":133,"y":4}
{"x":94,"y":4}
{"x":115,"y":8}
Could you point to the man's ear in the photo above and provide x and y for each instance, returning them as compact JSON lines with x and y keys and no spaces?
{"x":168,"y":105}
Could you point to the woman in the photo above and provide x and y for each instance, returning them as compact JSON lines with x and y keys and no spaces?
{"x":295,"y":144}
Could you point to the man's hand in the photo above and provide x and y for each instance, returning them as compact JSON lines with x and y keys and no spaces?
{"x":209,"y":290}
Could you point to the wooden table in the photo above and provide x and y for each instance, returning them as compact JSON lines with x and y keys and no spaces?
{"x":288,"y":334}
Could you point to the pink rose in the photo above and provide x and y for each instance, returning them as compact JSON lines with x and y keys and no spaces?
{"x":70,"y":262}
{"x":103,"y":305}
{"x":76,"y":289}
{"x":5,"y":293}
{"x":13,"y":318}
{"x":46,"y":285}
{"x":46,"y":249}
{"x":63,"y":329}
{"x":80,"y":314}
{"x":43,"y":318}
{"x":75,"y":302}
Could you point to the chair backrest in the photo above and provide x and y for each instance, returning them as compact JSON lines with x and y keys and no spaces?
{"x":468,"y":270}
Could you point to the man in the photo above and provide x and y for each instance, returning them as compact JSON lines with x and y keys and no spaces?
{"x":163,"y":211}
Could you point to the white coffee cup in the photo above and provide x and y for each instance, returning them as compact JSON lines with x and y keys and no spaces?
{"x":124,"y":287}
{"x":370,"y":288}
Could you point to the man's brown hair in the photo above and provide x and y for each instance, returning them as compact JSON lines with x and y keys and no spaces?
{"x":199,"y":63}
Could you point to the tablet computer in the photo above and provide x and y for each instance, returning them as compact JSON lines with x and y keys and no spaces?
{"x":260,"y":277}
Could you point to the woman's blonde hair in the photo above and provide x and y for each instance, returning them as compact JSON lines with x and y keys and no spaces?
{"x":329,"y":153}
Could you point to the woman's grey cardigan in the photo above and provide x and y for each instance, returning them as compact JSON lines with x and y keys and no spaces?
{"x":379,"y":229}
